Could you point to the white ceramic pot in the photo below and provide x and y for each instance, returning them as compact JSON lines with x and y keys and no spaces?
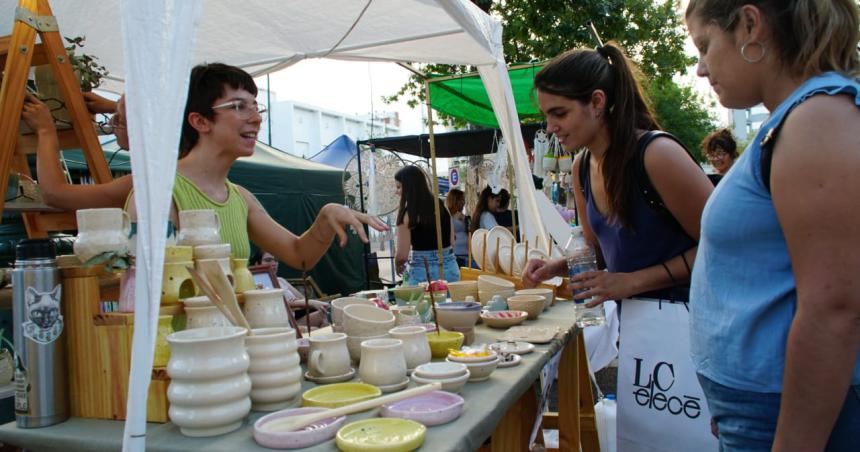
{"x":275,"y":370}
{"x":328,"y":356}
{"x":204,"y":317}
{"x":101,"y":230}
{"x":198,"y":227}
{"x":382,"y":362}
{"x":416,"y":349}
{"x":353,"y":344}
{"x":209,"y":387}
{"x":362,"y":320}
{"x":266,"y":308}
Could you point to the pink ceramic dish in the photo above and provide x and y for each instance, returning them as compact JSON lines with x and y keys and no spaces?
{"x":432,"y":408}
{"x":313,"y":434}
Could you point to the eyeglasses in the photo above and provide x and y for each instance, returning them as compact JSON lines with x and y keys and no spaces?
{"x":243,"y":109}
{"x":718,"y":154}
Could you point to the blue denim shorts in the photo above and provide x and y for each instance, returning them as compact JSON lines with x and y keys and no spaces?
{"x":416,"y":273}
{"x":747,"y":420}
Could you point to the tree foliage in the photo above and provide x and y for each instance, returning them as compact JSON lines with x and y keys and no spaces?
{"x":650,"y":32}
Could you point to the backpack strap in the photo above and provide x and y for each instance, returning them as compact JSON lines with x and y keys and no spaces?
{"x":652,"y":197}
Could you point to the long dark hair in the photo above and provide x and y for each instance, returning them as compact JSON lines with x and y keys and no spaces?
{"x":415,"y":197}
{"x":576,"y":74}
{"x":480,"y":208}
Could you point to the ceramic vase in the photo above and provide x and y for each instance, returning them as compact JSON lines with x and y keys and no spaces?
{"x":416,"y":349}
{"x":242,"y":276}
{"x":382,"y":362}
{"x":275,"y":370}
{"x":198,"y":227}
{"x":204,"y":317}
{"x":265,"y":308}
{"x":209,"y":387}
{"x":101,"y":230}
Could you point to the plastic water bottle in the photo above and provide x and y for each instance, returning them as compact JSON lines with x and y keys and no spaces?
{"x":580,"y":259}
{"x":604,"y":411}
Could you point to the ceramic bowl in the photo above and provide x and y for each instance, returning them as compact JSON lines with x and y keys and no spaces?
{"x":459,"y":290}
{"x":439,"y":370}
{"x":404,"y":294}
{"x":441,"y":342}
{"x":460,"y":305}
{"x":457,"y":318}
{"x":353,"y":344}
{"x":487,"y":282}
{"x":338,"y":304}
{"x":364,"y":320}
{"x":532,"y":304}
{"x":433,"y":408}
{"x":481,"y":370}
{"x":453,"y":384}
{"x":547,"y":294}
{"x":503,"y":319}
{"x":308,"y":436}
{"x":471,"y":359}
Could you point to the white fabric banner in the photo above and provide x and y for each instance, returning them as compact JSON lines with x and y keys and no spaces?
{"x":661,"y":406}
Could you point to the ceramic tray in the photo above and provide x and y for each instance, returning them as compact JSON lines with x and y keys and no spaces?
{"x":533,"y":334}
{"x":433,"y":408}
{"x":381,"y":434}
{"x":518,"y":348}
{"x":310,"y":435}
{"x":339,"y":394}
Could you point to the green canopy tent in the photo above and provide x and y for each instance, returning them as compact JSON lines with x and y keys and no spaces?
{"x":292,"y":190}
{"x":464,"y":96}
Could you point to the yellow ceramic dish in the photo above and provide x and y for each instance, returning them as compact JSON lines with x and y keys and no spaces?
{"x":441,"y":343}
{"x":381,"y":435}
{"x":339,"y":394}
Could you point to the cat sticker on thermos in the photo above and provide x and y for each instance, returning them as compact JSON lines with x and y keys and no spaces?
{"x":45,"y":321}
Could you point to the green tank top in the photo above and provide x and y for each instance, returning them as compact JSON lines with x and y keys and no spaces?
{"x":233,"y":213}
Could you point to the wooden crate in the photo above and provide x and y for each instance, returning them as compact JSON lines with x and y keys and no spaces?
{"x":99,"y":349}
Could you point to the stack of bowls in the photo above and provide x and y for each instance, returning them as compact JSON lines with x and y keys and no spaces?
{"x":532,"y":304}
{"x":364,"y":322}
{"x":459,"y":316}
{"x":337,"y":307}
{"x":452,"y":376}
{"x":488,"y":286}
{"x":459,"y":290}
{"x":480,"y":367}
{"x":547,"y":294}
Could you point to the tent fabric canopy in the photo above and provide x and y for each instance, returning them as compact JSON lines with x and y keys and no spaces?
{"x":337,"y":153}
{"x":466,"y":97}
{"x":451,"y":144}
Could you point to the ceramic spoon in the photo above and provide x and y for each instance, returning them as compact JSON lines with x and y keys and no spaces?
{"x":207,"y":289}
{"x":293,"y":423}
{"x":220,"y":283}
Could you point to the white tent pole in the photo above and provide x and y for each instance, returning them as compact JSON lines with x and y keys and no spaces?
{"x":435,"y":181}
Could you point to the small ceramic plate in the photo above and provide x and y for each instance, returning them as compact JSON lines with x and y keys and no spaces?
{"x":509,"y":360}
{"x":433,"y":408}
{"x":395,"y":387}
{"x":505,"y":259}
{"x":339,"y":394}
{"x":518,"y":348}
{"x":381,"y":434}
{"x":333,"y":379}
{"x":478,"y":246}
{"x":306,"y":437}
{"x":471,"y":359}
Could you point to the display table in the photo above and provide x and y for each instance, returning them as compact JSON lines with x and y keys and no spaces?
{"x":503,"y":407}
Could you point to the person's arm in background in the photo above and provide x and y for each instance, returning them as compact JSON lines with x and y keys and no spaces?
{"x":306,"y":250}
{"x":56,"y":190}
{"x":812,"y":193}
{"x":404,"y":245}
{"x":99,"y":104}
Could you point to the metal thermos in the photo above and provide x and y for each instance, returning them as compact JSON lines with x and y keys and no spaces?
{"x":41,"y":388}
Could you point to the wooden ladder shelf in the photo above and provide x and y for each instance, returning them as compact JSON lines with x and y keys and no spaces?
{"x":18,"y":52}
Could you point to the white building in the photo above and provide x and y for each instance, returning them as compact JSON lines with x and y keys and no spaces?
{"x":303,"y":130}
{"x":745,"y":123}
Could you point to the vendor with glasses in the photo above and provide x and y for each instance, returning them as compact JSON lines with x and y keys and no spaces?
{"x":720,"y":148}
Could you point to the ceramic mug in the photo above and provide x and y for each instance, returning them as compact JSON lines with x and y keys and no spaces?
{"x":101,"y":230}
{"x":199,"y":227}
{"x":382,"y":362}
{"x":328,"y":356}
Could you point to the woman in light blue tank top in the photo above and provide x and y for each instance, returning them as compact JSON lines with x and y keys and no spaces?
{"x":775,"y":297}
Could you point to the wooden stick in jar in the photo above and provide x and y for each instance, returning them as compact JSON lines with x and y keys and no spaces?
{"x":469,"y":261}
{"x":496,"y":265}
{"x":512,"y":257}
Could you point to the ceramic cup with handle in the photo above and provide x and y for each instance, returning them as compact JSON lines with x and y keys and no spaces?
{"x":199,"y":227}
{"x":328,"y":356}
{"x":101,"y":230}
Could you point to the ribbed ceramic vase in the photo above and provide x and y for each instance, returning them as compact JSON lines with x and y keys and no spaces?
{"x":209,"y":387}
{"x":275,"y":371}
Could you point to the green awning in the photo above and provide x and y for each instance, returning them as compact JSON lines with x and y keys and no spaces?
{"x":465,"y":98}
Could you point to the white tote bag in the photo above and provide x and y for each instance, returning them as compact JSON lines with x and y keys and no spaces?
{"x":661,"y":406}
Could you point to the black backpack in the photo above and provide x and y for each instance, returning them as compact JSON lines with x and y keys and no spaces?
{"x":643,"y":182}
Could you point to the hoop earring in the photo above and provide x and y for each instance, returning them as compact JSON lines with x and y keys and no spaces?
{"x":753,"y":60}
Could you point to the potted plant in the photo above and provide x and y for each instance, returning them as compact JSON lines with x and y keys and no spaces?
{"x":87,"y":69}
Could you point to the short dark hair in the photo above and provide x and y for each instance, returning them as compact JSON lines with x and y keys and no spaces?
{"x":722,"y":139}
{"x":208,"y":83}
{"x":504,"y":199}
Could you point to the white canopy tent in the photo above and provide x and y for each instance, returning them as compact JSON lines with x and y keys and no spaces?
{"x":162,"y":39}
